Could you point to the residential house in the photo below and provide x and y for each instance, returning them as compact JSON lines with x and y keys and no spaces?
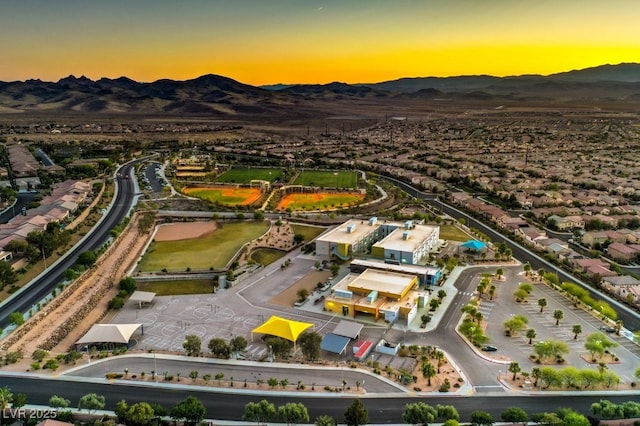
{"x":622,"y":252}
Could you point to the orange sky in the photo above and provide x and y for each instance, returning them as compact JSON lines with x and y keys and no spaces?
{"x":296,"y":41}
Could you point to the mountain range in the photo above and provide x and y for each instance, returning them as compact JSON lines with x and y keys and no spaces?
{"x":218,"y":96}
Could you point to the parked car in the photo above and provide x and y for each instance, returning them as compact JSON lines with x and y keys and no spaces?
{"x":489,"y":348}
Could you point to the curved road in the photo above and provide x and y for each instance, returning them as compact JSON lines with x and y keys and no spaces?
{"x":42,"y":285}
{"x":630,"y":318}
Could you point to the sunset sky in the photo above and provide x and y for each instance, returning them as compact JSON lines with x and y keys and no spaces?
{"x":309,"y":41}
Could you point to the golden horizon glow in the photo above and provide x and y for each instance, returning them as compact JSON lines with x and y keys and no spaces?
{"x":287,"y":41}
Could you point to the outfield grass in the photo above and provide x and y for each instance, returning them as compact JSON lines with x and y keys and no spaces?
{"x":327,"y":179}
{"x":309,"y":232}
{"x":266,"y":256}
{"x":319,"y":201}
{"x":177,"y":287}
{"x":228,"y":196}
{"x":246,"y":175}
{"x":212,"y":250}
{"x":453,"y":233}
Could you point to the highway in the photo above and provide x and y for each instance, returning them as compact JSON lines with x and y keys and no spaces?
{"x":630,"y":318}
{"x":31,"y":294}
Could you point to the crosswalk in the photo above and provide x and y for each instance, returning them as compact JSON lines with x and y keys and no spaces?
{"x":255,"y":351}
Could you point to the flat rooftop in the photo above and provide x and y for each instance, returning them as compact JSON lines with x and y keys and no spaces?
{"x":380,"y":281}
{"x":341,"y":234}
{"x":417,"y":235}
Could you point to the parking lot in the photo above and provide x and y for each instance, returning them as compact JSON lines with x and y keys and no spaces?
{"x":517,"y":348}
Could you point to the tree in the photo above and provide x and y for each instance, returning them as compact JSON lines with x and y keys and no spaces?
{"x":514,"y":367}
{"x":531,"y":334}
{"x":542,"y":303}
{"x":576,"y":329}
{"x":6,"y":396}
{"x":280,"y":347}
{"x":87,"y":259}
{"x":419,"y":413}
{"x":293,"y":413}
{"x":7,"y":275}
{"x":127,"y":284}
{"x":302,"y":294}
{"x":259,"y":412}
{"x":447,"y":412}
{"x":219,"y":347}
{"x":238,"y":344}
{"x":481,"y":418}
{"x":515,"y":324}
{"x":325,"y":420}
{"x":558,"y":315}
{"x":310,"y":345}
{"x":637,"y":373}
{"x":356,"y":414}
{"x":91,"y":402}
{"x":189,"y":409}
{"x":428,"y":371}
{"x":140,"y":414}
{"x":575,"y":419}
{"x":598,"y":344}
{"x":499,"y":272}
{"x":192,"y":345}
{"x":16,"y":318}
{"x":59,"y":402}
{"x":550,"y":348}
{"x":514,"y":415}
{"x":121,"y":411}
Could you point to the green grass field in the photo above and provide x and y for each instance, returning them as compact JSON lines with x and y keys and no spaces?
{"x":172,"y":288}
{"x":266,"y":256}
{"x":213,"y":250}
{"x":327,"y":179}
{"x":246,"y":175}
{"x":453,"y":233}
{"x":227,"y":196}
{"x":309,"y":232}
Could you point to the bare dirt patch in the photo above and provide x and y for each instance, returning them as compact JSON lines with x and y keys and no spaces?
{"x":309,"y":281}
{"x":183,"y":231}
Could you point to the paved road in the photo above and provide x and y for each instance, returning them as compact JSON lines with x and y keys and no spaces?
{"x":225,"y":406}
{"x":38,"y":288}
{"x":22,"y":199}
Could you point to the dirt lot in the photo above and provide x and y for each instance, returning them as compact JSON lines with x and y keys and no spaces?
{"x":309,"y":281}
{"x":183,"y":231}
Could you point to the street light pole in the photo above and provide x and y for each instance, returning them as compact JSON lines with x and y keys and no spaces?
{"x":44,"y":259}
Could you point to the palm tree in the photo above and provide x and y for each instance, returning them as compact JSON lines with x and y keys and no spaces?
{"x":527,"y":269}
{"x":478,"y":316}
{"x":514,"y":367}
{"x":531,"y":334}
{"x":492,"y":291}
{"x":577,"y":329}
{"x":542,"y":303}
{"x":558,"y":315}
{"x":428,"y":371}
